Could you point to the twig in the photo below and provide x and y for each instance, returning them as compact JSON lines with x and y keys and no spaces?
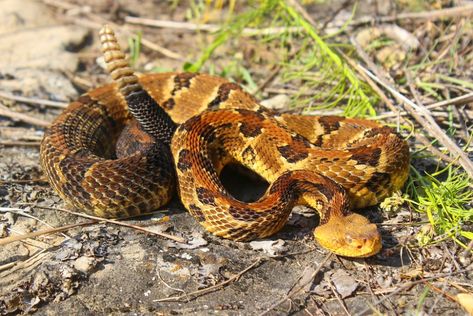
{"x":293,"y":290}
{"x":434,"y":150}
{"x":21,"y":181}
{"x":117,"y":222}
{"x":168,"y":286}
{"x":339,"y":299}
{"x":212,"y":288}
{"x":461,"y":100}
{"x":18,"y":98}
{"x":208,"y":27}
{"x":465,"y":11}
{"x":4,"y":111}
{"x":458,"y":101}
{"x":21,"y":212}
{"x":11,"y":239}
{"x":19,"y":143}
{"x":380,"y":92}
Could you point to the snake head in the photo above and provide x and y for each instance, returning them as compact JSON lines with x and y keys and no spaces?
{"x":349,"y":236}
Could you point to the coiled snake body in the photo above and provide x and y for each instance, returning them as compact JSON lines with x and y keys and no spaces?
{"x":120,"y":150}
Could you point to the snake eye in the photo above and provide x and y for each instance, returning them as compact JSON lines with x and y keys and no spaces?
{"x":348,"y":239}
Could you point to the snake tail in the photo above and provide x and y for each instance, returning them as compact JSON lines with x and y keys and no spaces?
{"x":152,"y":118}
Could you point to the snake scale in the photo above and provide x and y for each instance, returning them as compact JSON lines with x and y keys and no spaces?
{"x":124,"y":149}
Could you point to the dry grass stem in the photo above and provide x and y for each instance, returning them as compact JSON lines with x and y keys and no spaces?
{"x":11,"y":239}
{"x":54,"y":104}
{"x":4,"y":111}
{"x":207,"y":27}
{"x":119,"y":223}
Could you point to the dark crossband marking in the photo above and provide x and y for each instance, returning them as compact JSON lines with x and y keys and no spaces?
{"x":377,"y":181}
{"x":223,"y":94}
{"x":292,"y":154}
{"x":251,"y":123}
{"x":169,"y":104}
{"x":243,"y":214}
{"x":182,"y":81}
{"x":330,"y":123}
{"x":249,"y":154}
{"x":196,"y":212}
{"x":184,"y":162}
{"x":367,"y":156}
{"x":205,"y":196}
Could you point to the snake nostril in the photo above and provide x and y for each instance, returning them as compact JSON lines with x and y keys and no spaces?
{"x":359,"y":246}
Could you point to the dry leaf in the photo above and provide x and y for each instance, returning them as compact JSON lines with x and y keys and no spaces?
{"x":270,"y":247}
{"x":466,"y":301}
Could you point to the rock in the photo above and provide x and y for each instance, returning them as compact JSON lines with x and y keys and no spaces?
{"x":84,"y":264}
{"x":41,"y":48}
{"x":17,"y":15}
{"x":278,"y":102}
{"x":40,"y":83}
{"x":344,"y":283}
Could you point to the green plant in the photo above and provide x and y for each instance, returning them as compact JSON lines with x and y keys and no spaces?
{"x":134,"y":44}
{"x":323,"y":78}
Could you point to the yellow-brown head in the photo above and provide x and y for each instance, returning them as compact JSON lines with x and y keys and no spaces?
{"x":350,"y":236}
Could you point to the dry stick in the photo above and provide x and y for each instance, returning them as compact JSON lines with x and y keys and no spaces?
{"x":273,"y":74}
{"x":18,"y":98}
{"x":458,"y":101}
{"x":465,"y":10}
{"x":11,"y":239}
{"x":428,"y":123}
{"x":19,"y":143}
{"x":116,"y":222}
{"x":21,"y":181}
{"x":374,"y":297}
{"x":339,"y":299}
{"x":461,"y":100}
{"x":410,"y":284}
{"x":293,"y":291}
{"x":4,"y":111}
{"x":22,"y":212}
{"x":213,"y":287}
{"x":207,"y":27}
